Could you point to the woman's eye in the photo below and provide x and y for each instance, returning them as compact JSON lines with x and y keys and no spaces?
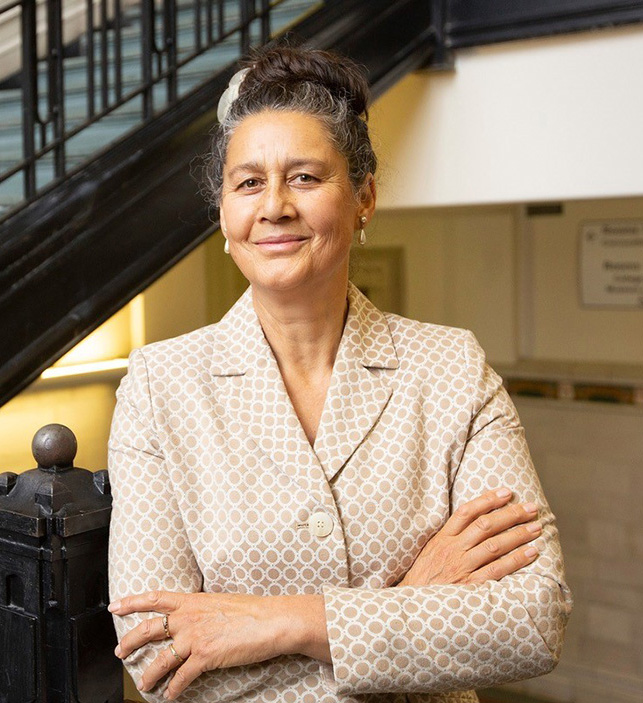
{"x":304,"y":178}
{"x":250,"y":183}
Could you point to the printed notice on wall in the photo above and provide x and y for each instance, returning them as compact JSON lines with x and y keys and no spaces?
{"x":611,"y":263}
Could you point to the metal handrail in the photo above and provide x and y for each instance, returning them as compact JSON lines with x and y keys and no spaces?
{"x":161,"y":63}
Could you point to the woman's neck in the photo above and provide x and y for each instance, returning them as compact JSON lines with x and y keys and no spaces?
{"x":304,"y":327}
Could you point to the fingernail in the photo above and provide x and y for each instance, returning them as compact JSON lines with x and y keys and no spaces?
{"x":117,"y":651}
{"x":116,"y":605}
{"x":166,"y":695}
{"x":534,"y":527}
{"x":531,"y":552}
{"x":530,"y":507}
{"x":139,"y":685}
{"x":503,"y":493}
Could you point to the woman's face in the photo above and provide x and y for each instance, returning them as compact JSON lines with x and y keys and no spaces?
{"x":287,"y":206}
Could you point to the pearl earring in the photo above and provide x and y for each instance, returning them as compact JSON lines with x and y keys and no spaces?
{"x":226,"y":247}
{"x":362,"y":234}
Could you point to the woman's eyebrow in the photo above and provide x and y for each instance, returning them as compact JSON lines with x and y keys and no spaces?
{"x":252,"y":166}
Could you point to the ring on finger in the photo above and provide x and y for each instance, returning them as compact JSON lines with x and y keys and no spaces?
{"x":175,"y":654}
{"x":166,"y":626}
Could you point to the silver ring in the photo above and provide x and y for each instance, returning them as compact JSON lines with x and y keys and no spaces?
{"x":166,"y":626}
{"x":177,"y":656}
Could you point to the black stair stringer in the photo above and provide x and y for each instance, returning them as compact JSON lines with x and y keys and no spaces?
{"x":71,"y":259}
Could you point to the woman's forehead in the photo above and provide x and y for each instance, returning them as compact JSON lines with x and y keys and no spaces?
{"x":280,"y":136}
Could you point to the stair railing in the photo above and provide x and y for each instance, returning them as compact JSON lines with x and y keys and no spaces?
{"x":45,"y":129}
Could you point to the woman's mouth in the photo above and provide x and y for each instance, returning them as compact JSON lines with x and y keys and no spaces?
{"x":282,"y":243}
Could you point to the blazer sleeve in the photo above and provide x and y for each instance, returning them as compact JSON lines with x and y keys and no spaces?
{"x":434,"y":639}
{"x":148,"y":546}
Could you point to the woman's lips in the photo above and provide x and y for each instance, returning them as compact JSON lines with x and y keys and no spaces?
{"x":283,"y":243}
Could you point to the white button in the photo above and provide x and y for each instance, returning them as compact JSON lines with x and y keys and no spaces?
{"x":320,"y":524}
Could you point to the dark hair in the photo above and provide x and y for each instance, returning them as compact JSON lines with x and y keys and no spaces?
{"x":329,"y":87}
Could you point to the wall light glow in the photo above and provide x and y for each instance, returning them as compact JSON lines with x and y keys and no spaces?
{"x":81,"y":369}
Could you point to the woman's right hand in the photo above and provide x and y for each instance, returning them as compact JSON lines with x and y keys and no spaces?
{"x":483,"y":540}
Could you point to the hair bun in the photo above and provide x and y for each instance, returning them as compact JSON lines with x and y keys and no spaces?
{"x":285,"y":66}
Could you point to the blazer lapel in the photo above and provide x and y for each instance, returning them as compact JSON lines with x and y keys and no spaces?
{"x":358,"y":391}
{"x":251,"y":398}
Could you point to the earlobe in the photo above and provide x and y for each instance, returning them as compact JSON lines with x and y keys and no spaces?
{"x":226,"y":245}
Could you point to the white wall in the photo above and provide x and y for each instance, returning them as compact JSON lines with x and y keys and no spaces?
{"x":547,"y":119}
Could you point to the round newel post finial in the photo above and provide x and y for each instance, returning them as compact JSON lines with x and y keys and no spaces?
{"x":54,"y":447}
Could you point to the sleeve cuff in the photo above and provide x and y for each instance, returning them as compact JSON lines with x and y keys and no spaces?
{"x":435,"y":639}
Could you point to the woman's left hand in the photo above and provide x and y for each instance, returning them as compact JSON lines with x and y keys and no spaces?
{"x":217,"y":630}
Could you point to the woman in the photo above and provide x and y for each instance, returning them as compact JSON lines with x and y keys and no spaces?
{"x":314,"y":500}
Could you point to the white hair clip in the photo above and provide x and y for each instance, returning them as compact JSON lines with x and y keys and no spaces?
{"x":231,"y":93}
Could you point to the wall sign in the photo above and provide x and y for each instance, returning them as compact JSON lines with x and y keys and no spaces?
{"x":611,"y":263}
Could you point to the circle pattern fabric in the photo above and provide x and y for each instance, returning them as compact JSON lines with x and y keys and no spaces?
{"x":214,"y":483}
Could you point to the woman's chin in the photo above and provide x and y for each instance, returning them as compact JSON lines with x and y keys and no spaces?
{"x":278,"y":274}
{"x":296,"y":274}
{"x":280,"y":283}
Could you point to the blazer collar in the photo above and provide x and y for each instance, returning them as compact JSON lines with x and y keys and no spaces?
{"x":366,"y":336}
{"x":238,"y":338}
{"x":257,"y":403}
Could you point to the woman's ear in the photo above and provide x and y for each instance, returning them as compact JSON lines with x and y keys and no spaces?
{"x":222,"y":220}
{"x":368,"y":197}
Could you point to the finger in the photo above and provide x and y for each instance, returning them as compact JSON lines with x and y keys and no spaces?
{"x":182,"y":678}
{"x":151,"y":629}
{"x":505,"y":566}
{"x":502,"y":544}
{"x":164,"y":662}
{"x":488,"y":525}
{"x":464,"y":515}
{"x":156,"y":601}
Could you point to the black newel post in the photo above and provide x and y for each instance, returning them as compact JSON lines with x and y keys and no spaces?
{"x":56,"y":635}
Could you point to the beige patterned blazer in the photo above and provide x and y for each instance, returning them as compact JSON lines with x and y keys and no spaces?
{"x":216,"y":488}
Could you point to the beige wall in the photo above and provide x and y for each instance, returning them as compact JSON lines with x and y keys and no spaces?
{"x":561,"y":327}
{"x":459,"y":269}
{"x":512,"y":279}
{"x":86,"y":407}
{"x":177,"y":302}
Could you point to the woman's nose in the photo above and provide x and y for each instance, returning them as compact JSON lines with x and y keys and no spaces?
{"x":276,"y":203}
